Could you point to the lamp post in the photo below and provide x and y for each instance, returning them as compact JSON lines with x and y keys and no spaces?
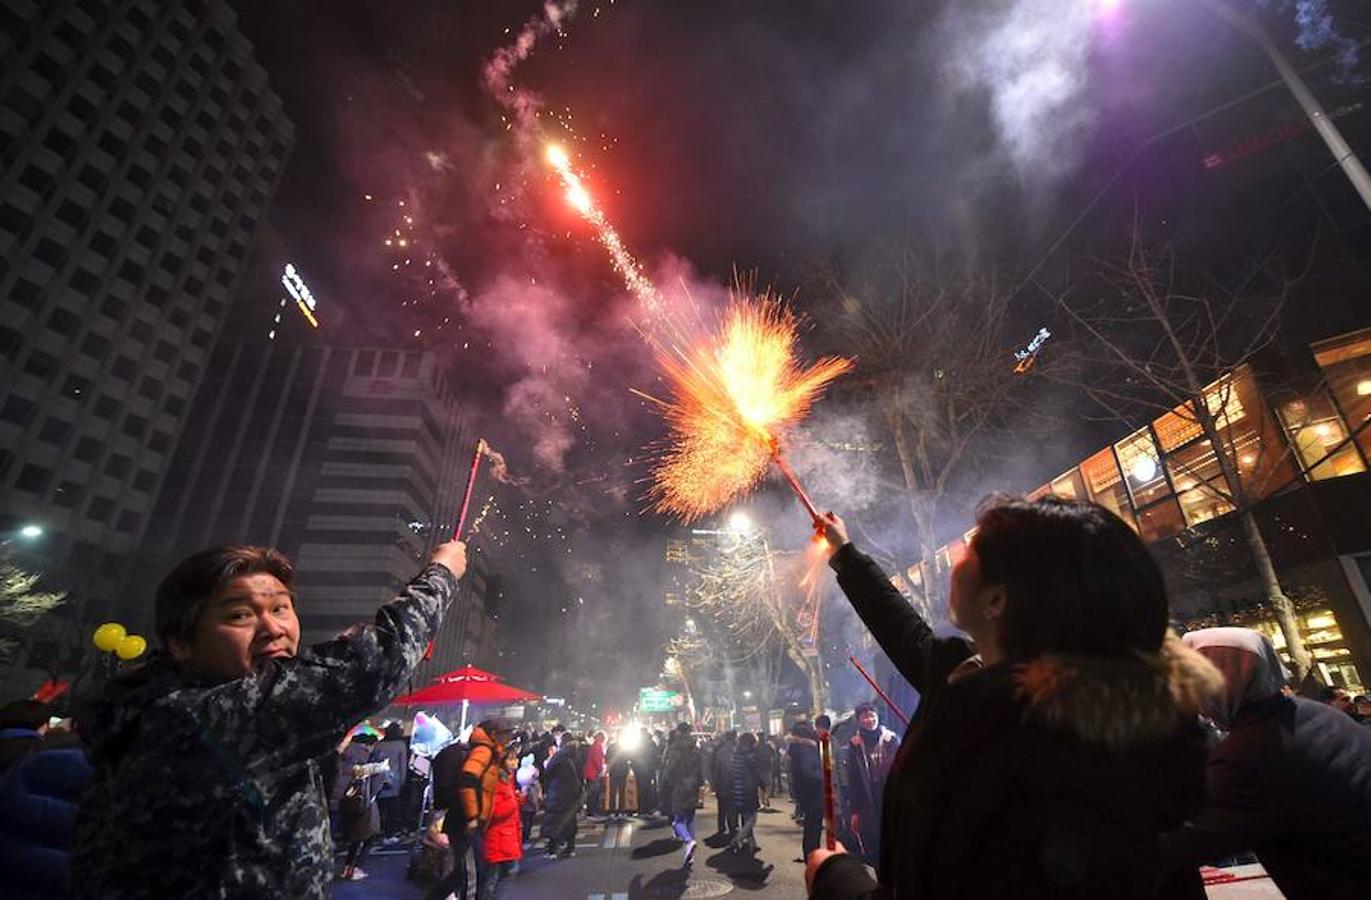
{"x":1337,"y":144}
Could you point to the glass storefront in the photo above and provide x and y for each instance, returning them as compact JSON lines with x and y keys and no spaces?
{"x":1322,"y":637}
{"x":1105,"y":486}
{"x":1346,"y":363}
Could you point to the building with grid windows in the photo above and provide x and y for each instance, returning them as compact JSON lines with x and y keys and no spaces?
{"x":1298,"y":435}
{"x":350,"y":461}
{"x":140,"y":145}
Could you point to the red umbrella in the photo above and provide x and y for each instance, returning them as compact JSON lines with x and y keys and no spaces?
{"x":465,"y":685}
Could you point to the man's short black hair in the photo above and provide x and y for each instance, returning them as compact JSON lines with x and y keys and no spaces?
{"x":823,"y":722}
{"x":30,"y":714}
{"x":864,"y":707}
{"x":182,"y":594}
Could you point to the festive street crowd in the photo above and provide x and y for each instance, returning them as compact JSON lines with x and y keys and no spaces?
{"x":1067,"y":743}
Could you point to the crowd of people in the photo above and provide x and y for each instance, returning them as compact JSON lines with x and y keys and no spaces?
{"x":1067,"y":743}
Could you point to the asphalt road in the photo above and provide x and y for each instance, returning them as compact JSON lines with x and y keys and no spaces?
{"x":636,"y":859}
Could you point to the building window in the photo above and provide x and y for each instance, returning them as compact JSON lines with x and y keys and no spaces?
{"x":160,"y":442}
{"x":114,"y":308}
{"x":1346,"y":363}
{"x":10,"y":343}
{"x":165,"y":352}
{"x":99,"y":509}
{"x":1319,"y":436}
{"x":50,"y":252}
{"x":68,"y":495}
{"x":84,"y":281}
{"x":76,"y":387}
{"x":140,"y":330}
{"x":130,"y":521}
{"x":55,"y":431}
{"x":124,"y":368}
{"x":1105,"y":485}
{"x":88,"y":450}
{"x":135,"y":427}
{"x":43,"y":366}
{"x":188,"y":372}
{"x":95,"y":347}
{"x":174,"y":405}
{"x":18,"y":411}
{"x":118,"y":465}
{"x":33,"y":479}
{"x":107,"y":408}
{"x":145,"y":481}
{"x":150,"y":388}
{"x":26,"y":294}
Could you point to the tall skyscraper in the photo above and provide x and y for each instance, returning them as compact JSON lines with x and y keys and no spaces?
{"x":140,"y":145}
{"x":351,"y":461}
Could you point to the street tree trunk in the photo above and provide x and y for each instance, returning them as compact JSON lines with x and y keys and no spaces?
{"x":1281,"y":606}
{"x":1237,"y":495}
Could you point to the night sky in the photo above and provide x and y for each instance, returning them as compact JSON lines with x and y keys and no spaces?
{"x":768,"y":138}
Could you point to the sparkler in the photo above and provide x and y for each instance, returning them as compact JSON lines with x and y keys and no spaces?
{"x":890,"y":704}
{"x":471,"y":486}
{"x":830,"y":816}
{"x":732,"y":400}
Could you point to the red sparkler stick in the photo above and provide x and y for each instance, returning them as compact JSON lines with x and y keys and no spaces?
{"x":830,"y":817}
{"x":799,"y":491}
{"x":882,"y":694}
{"x":471,"y":486}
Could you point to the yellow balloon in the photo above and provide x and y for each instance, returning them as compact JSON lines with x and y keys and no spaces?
{"x":108,"y":636}
{"x":132,"y":646}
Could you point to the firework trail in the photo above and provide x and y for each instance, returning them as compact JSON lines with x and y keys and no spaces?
{"x":733,"y":398}
{"x":624,"y":263}
{"x":524,"y":105}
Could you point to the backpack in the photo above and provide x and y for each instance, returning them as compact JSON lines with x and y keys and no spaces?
{"x":447,"y":775}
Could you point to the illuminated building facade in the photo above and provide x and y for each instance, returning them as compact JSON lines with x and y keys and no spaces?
{"x":347,"y":460}
{"x":1299,"y":441}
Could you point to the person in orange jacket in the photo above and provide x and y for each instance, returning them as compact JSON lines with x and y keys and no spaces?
{"x":504,"y":834}
{"x":468,"y":817}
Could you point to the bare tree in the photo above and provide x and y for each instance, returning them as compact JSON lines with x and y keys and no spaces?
{"x":937,"y":371}
{"x":754,"y":599}
{"x":1157,"y":340}
{"x":22,"y":604}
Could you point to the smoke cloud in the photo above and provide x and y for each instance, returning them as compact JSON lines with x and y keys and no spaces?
{"x":1032,"y":61}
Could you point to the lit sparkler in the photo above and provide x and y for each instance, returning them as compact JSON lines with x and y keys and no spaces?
{"x":732,"y":400}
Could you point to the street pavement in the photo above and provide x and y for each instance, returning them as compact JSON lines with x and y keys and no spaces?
{"x":639,"y":859}
{"x":635,"y":859}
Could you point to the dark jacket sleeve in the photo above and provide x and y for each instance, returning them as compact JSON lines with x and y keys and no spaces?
{"x":893,"y":622}
{"x":844,"y":877}
{"x":1238,"y":814}
{"x":300,"y":708}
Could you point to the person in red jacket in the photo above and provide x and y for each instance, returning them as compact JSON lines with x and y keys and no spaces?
{"x":505,"y":833}
{"x":593,"y":773}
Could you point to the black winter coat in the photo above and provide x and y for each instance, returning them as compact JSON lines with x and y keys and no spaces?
{"x":806,"y":770}
{"x":683,"y":770}
{"x":562,"y":780}
{"x":745,"y":780}
{"x":1292,"y":783}
{"x":1050,"y":778}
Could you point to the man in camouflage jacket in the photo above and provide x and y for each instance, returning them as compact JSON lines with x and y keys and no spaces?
{"x":208,"y":780}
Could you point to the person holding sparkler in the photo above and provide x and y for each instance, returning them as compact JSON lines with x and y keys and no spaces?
{"x":1050,"y":749}
{"x":238,"y":718}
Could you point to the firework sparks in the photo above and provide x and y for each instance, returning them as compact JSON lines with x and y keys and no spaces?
{"x":732,"y":400}
{"x":580,"y":200}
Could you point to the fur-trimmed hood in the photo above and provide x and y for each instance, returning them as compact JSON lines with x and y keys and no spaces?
{"x":1117,"y":703}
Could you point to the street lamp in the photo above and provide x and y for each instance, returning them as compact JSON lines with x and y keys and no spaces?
{"x":740,"y":522}
{"x":31,"y":532}
{"x":1332,"y":137}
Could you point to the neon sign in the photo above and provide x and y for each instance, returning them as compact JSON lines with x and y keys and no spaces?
{"x":300,"y":293}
